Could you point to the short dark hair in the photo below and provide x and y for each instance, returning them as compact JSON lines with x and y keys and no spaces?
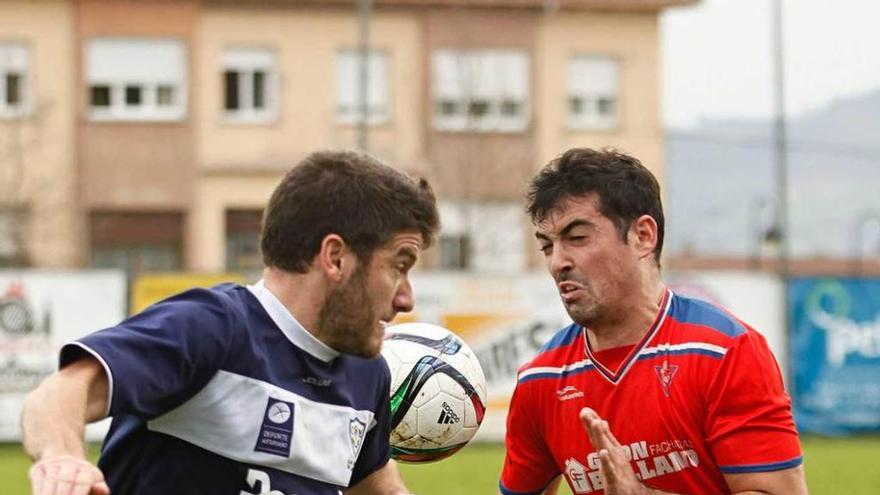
{"x":626,"y":189}
{"x":347,"y":193}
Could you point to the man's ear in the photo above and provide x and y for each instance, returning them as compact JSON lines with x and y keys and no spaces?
{"x":335,"y":259}
{"x":643,"y":235}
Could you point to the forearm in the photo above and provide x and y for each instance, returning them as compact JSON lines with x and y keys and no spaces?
{"x":53,"y":420}
{"x":55,"y":414}
{"x":385,"y":481}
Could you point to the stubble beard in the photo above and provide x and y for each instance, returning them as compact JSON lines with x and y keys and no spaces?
{"x":587,"y":311}
{"x":347,"y":321}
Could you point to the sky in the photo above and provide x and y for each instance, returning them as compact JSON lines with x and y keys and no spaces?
{"x":717,"y":60}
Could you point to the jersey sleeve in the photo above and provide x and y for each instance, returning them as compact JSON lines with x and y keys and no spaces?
{"x":749,"y":423}
{"x":162,"y":356}
{"x":377,"y":448}
{"x":528,"y":464}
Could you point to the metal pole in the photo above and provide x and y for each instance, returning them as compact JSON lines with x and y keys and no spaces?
{"x":781,"y":162}
{"x":364,"y":8}
{"x":780,"y":141}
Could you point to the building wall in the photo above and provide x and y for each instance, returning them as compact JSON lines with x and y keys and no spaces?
{"x":206,"y":229}
{"x":305,"y":42}
{"x":481,"y":165}
{"x":631,"y":38}
{"x":37,"y":159}
{"x":203,"y":165}
{"x":138,"y":165}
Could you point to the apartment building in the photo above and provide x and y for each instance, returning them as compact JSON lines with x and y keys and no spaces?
{"x":183,"y":115}
{"x":40,"y":216}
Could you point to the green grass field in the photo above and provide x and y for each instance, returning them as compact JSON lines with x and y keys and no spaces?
{"x":834,"y":466}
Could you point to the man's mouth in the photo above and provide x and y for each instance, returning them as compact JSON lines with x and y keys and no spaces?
{"x":567,"y":287}
{"x":569,"y":291}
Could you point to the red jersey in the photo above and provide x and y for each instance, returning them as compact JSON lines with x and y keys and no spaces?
{"x":699,"y":396}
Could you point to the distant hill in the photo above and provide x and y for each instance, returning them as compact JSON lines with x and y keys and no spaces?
{"x":721,"y":177}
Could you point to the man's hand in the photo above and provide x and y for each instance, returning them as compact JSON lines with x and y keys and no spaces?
{"x":67,"y":475}
{"x":617,"y":475}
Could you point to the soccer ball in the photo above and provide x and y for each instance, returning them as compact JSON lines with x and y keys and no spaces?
{"x":438,"y":392}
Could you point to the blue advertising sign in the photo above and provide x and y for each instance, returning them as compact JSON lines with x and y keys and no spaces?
{"x":835,"y":354}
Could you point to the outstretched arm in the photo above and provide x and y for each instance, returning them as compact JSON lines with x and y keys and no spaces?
{"x":53,"y":423}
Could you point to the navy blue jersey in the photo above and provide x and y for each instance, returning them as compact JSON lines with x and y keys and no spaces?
{"x":221,"y":391}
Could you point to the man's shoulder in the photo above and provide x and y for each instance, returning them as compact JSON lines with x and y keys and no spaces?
{"x":224,"y":299}
{"x":210,"y":309}
{"x":700,"y":320}
{"x":373,"y":370}
{"x":558,"y":351}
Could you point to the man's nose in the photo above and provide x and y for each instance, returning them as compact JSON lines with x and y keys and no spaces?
{"x":559,"y":262}
{"x":403,"y":300}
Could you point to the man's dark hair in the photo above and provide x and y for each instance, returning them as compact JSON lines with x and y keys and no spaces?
{"x":346,"y":193}
{"x":625,"y":188}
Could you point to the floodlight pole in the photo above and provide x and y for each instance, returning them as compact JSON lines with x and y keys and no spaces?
{"x":364,"y":9}
{"x":780,"y":147}
{"x":781,"y":161}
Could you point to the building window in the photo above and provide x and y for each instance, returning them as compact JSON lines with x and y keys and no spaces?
{"x":14,"y":80}
{"x":593,"y":87}
{"x":136,"y":79}
{"x":481,"y":90}
{"x":250,"y":85}
{"x":137,"y":242}
{"x":488,"y":237}
{"x":349,"y":109}
{"x":454,"y":251}
{"x":12,"y":243}
{"x":243,"y":240}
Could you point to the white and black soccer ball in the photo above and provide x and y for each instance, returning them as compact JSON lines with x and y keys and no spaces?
{"x":438,"y":392}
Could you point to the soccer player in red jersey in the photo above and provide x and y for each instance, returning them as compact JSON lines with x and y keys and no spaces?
{"x":648,"y":391}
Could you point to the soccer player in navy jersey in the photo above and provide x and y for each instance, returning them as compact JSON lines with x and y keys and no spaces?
{"x":648,"y":391}
{"x":275,"y":388}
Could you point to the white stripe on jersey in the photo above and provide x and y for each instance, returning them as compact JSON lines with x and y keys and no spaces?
{"x":645,"y":352}
{"x":226,"y":417}
{"x":684,"y":346}
{"x":555,"y":370}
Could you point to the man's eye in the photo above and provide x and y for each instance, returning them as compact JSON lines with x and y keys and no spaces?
{"x":547,"y":249}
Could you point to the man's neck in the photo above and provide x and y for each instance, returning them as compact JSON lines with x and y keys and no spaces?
{"x":636,"y":320}
{"x":298,"y":293}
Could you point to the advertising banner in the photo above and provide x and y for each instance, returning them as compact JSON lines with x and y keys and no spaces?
{"x":835,"y":348}
{"x":39,"y":312}
{"x":151,"y":288}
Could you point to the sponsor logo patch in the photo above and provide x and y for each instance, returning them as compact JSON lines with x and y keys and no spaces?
{"x":568,"y":392}
{"x":276,"y":433}
{"x":447,"y":416}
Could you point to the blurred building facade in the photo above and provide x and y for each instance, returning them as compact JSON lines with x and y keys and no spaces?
{"x":148,"y":135}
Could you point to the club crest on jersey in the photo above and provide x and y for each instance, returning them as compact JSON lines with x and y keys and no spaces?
{"x":276,"y":433}
{"x":665,"y":373}
{"x":356,"y":431}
